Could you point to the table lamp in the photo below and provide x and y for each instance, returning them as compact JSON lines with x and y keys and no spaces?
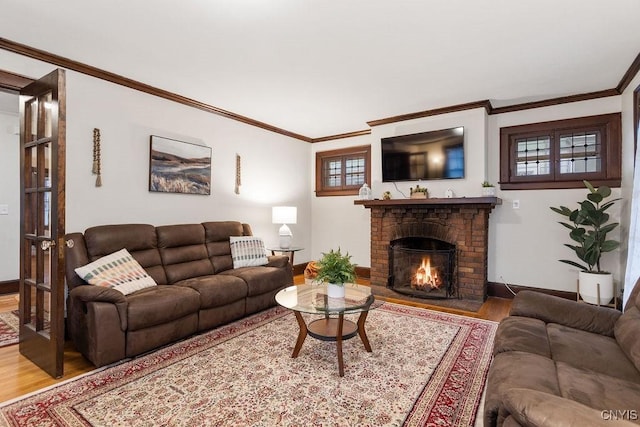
{"x":284,"y":215}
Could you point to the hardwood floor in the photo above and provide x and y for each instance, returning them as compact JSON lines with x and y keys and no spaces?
{"x":20,"y":376}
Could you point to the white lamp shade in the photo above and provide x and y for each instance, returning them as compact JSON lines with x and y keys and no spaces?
{"x":284,"y":214}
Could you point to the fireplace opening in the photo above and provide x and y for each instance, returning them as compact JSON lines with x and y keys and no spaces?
{"x":422,"y":267}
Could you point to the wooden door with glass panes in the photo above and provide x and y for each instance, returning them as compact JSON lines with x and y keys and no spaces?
{"x":42,"y":206}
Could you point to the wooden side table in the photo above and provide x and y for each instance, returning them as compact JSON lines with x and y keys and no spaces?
{"x":290,"y":251}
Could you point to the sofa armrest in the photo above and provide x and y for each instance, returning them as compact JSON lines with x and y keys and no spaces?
{"x":552,"y":309}
{"x":90,"y":293}
{"x":536,"y":408}
{"x":278,"y":261}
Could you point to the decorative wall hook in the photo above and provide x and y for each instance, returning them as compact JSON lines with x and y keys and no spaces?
{"x":96,"y":157}
{"x":238,"y":174}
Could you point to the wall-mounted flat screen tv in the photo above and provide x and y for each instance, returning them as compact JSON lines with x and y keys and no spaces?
{"x":422,"y":156}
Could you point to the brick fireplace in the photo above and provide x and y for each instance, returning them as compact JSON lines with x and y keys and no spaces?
{"x":463,"y":222}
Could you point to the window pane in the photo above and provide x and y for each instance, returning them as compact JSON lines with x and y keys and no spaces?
{"x":533,"y":156}
{"x":354,"y":171}
{"x":454,"y":162}
{"x":332,"y":173}
{"x":580,"y":153}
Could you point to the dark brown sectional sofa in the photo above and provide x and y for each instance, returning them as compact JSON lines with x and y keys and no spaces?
{"x":198,"y":288}
{"x":565,"y":363}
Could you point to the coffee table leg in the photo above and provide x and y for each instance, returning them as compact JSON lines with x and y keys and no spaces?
{"x":302,"y":334}
{"x":339,"y":344}
{"x":361,"y":331}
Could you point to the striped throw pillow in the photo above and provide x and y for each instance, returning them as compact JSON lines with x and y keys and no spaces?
{"x":119,"y":271}
{"x":247,"y":251}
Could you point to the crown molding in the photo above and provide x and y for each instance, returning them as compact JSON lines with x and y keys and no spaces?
{"x":632,"y":71}
{"x":12,"y":81}
{"x":342,"y":135}
{"x":89,"y":70}
{"x":555,"y":101}
{"x":486,"y":104}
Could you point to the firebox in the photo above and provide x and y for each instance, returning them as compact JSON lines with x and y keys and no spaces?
{"x":422,"y":267}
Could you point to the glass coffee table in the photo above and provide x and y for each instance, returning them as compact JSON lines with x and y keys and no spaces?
{"x":332,"y":326}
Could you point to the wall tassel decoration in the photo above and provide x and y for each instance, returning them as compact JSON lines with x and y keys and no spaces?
{"x":96,"y":157}
{"x":238,"y":176}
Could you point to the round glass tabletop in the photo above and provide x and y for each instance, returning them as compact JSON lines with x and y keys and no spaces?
{"x":313,"y":299}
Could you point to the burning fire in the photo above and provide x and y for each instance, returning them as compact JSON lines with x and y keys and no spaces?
{"x":426,"y":277}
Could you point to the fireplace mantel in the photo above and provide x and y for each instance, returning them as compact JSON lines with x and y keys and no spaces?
{"x":461,"y":221}
{"x":456,"y":201}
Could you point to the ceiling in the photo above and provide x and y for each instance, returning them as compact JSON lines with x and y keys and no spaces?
{"x":326,"y":67}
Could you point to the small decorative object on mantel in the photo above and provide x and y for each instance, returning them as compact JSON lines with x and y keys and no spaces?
{"x":238,"y":175}
{"x":336,"y":269}
{"x":589,"y":228}
{"x":419,"y":192}
{"x":488,"y":190}
{"x":386,"y":195}
{"x":96,"y":157}
{"x":365,"y":192}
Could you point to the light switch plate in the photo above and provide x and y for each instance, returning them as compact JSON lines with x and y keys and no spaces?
{"x":4,"y":209}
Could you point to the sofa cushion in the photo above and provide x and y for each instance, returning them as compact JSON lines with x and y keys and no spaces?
{"x":261,"y":280}
{"x":118,"y":271}
{"x":216,"y":290}
{"x":183,"y":251}
{"x":598,"y":390}
{"x":162,"y":304}
{"x":517,"y":369}
{"x":217,"y":235}
{"x":585,"y":350}
{"x":247,"y":251}
{"x":535,"y":408}
{"x":517,"y":333}
{"x":627,"y":330}
{"x":139,"y":239}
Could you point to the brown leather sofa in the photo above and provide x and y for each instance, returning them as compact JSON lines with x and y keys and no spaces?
{"x":198,"y":288}
{"x":561,"y":362}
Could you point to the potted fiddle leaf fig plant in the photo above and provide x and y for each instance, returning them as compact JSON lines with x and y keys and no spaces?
{"x":589,"y":225}
{"x":336,"y":269}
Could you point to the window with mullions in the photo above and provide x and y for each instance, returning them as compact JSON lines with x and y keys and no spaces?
{"x":342,"y":172}
{"x":561,"y":154}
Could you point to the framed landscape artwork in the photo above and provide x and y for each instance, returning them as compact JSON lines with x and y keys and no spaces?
{"x":179,"y":167}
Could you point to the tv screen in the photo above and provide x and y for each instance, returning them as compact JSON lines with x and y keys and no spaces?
{"x":422,"y":156}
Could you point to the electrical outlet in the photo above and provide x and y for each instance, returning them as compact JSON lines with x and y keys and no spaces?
{"x":515,"y":204}
{"x":4,"y":209}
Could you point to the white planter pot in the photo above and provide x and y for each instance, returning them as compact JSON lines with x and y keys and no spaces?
{"x":488,"y":191}
{"x":592,"y":284}
{"x":335,"y":291}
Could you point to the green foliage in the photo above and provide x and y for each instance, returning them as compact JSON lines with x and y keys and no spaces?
{"x":589,"y":228}
{"x":336,"y":268}
{"x":418,"y":189}
{"x":486,"y":184}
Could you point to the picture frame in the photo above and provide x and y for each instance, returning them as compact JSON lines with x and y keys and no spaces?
{"x":179,"y":167}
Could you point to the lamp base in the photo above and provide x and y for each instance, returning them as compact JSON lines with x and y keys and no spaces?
{"x":285,"y":236}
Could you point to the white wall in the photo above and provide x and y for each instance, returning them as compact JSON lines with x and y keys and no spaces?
{"x":525,"y":243}
{"x":274,"y":167}
{"x":9,"y":192}
{"x":338,"y":222}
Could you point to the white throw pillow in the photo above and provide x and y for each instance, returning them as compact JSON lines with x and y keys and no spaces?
{"x":247,"y":251}
{"x":119,"y":271}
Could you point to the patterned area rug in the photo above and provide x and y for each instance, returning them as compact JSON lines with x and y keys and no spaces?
{"x":426,"y":368}
{"x":8,"y":328}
